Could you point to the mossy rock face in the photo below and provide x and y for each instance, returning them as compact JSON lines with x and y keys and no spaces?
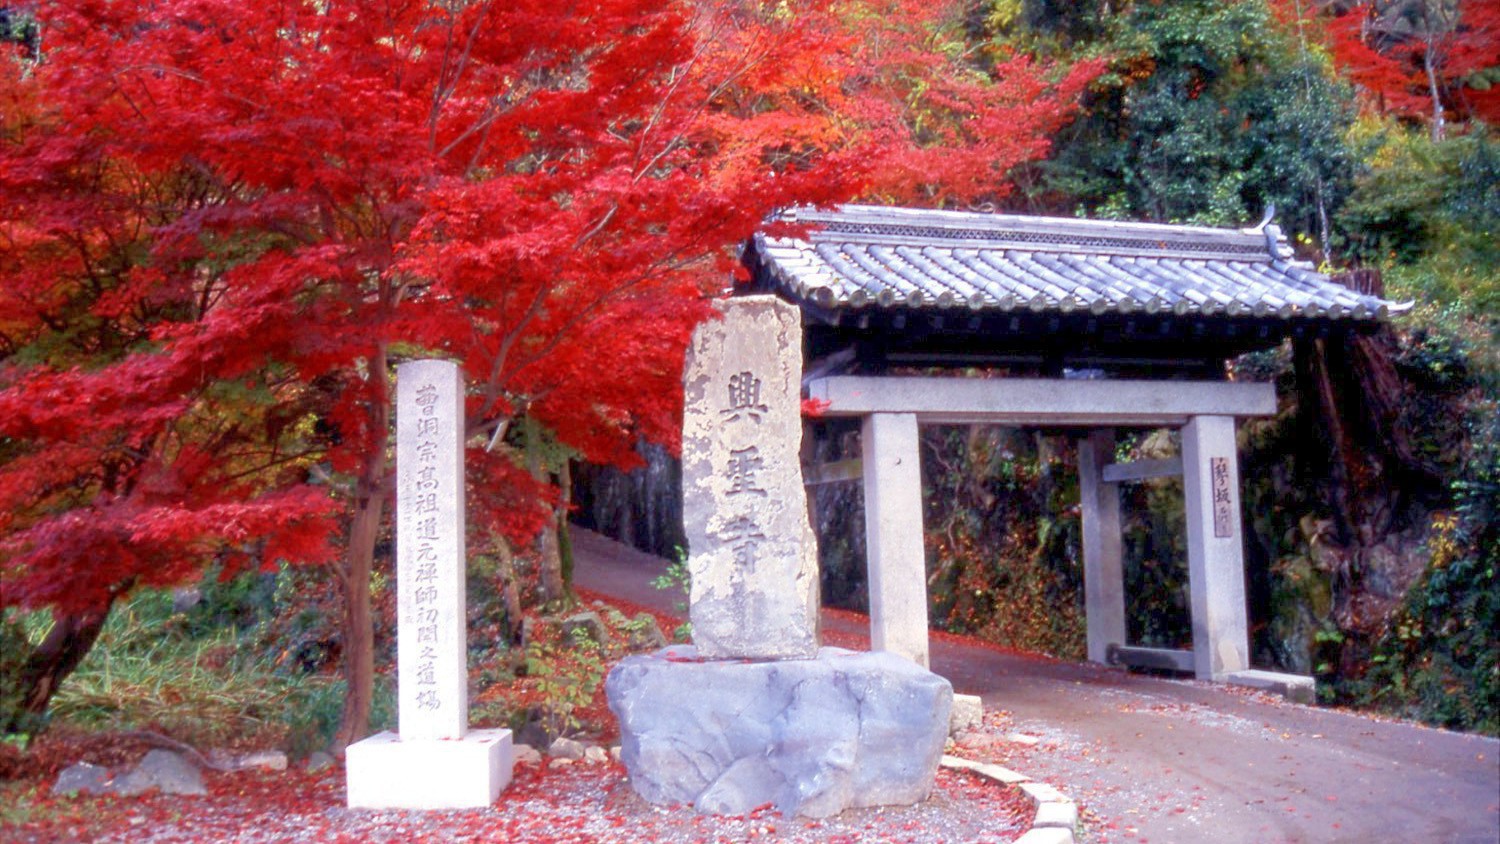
{"x":1301,"y":602}
{"x":1302,"y":587}
{"x":587,"y":624}
{"x":644,"y":634}
{"x":1392,"y":567}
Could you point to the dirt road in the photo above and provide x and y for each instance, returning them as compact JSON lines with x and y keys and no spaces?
{"x":1182,"y":761}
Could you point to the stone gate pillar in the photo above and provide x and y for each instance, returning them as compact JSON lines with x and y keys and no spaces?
{"x":1103,"y":560}
{"x":1216,"y":559}
{"x":893,"y":535}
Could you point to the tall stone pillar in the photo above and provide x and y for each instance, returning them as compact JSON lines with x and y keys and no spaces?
{"x":1103,"y":560}
{"x":893,"y":535}
{"x":435,"y":761}
{"x":1216,"y":560}
{"x":431,"y":648}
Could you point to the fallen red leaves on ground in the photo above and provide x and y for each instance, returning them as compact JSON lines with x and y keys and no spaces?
{"x":549,"y":803}
{"x":553,"y":802}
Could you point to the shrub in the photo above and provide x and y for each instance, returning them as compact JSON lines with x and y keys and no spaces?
{"x":1437,"y":660}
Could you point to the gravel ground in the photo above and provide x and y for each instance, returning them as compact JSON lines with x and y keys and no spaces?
{"x":553,"y":803}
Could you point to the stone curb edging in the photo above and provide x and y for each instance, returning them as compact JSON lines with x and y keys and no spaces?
{"x":1056,"y":814}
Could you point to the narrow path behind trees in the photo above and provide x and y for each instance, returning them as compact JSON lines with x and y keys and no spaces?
{"x":1182,"y":761}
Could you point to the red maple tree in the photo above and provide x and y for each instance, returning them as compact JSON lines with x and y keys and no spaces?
{"x":227,"y":221}
{"x":927,"y":117}
{"x":1424,"y":59}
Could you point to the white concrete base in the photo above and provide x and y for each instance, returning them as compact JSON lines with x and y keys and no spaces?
{"x":384,"y":772}
{"x":1294,"y":687}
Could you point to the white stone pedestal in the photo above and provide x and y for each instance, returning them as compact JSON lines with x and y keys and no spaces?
{"x":385,"y":772}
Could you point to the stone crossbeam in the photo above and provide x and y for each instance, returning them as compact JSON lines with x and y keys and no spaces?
{"x":1042,"y":401}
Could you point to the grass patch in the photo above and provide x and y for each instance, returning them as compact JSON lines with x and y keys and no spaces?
{"x":207,"y":684}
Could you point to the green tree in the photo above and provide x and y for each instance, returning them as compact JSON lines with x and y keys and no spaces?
{"x":1211,"y":112}
{"x":1428,"y":214}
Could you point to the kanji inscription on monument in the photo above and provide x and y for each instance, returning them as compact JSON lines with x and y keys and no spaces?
{"x":1223,"y":498}
{"x":431,"y":660}
{"x":752,"y":553}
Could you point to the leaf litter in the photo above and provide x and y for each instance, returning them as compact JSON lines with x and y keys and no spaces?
{"x":566,"y":804}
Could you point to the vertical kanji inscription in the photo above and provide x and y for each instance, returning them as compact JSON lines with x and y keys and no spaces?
{"x":431,"y":654}
{"x":1223,"y":498}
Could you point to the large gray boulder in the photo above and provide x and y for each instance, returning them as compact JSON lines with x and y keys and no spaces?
{"x":812,"y":736}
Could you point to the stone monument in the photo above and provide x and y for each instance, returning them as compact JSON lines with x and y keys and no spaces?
{"x":436,"y":761}
{"x":753,"y":557}
{"x":754,"y":712}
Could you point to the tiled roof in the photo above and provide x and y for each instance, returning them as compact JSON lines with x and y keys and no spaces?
{"x":865,"y":256}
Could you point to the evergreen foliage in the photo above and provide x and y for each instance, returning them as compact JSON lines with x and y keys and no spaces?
{"x":1429,"y":212}
{"x":1213,"y":114}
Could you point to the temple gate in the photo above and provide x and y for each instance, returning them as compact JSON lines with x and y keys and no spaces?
{"x":1100,"y":325}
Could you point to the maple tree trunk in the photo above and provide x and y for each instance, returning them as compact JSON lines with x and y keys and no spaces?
{"x":549,"y":564}
{"x":560,"y":525}
{"x":510,"y":592}
{"x":364,"y":531}
{"x":67,"y":643}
